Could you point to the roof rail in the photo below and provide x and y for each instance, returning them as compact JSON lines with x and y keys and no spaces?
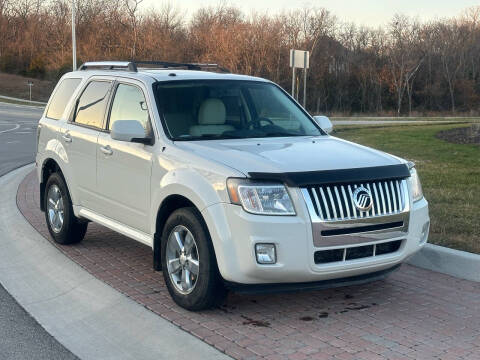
{"x":188,"y":66}
{"x":109,"y":65}
{"x":134,"y":65}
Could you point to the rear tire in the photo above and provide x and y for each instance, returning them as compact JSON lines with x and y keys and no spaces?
{"x":62,"y":224}
{"x":188,"y":261}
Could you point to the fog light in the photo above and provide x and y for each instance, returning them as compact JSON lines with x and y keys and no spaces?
{"x":265,"y":253}
{"x":425,"y":229}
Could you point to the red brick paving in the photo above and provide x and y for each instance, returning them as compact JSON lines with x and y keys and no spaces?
{"x":414,"y":314}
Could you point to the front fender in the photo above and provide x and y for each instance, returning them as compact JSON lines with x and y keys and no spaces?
{"x":201,"y":188}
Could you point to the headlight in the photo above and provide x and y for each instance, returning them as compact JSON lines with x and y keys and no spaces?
{"x":260,"y":198}
{"x":415,"y":184}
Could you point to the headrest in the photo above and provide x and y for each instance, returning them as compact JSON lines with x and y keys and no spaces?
{"x":212,"y":112}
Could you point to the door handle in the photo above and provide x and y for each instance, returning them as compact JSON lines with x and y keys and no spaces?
{"x":107,"y":150}
{"x":67,"y":137}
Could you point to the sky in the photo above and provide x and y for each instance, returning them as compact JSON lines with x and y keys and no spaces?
{"x":362,"y":12}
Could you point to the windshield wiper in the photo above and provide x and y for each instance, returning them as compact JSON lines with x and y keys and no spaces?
{"x":208,"y":137}
{"x":281,"y":133}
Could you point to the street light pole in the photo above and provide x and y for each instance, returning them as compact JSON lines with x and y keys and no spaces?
{"x":74,"y":41}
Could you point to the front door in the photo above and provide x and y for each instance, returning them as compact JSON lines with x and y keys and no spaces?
{"x":124,"y":168}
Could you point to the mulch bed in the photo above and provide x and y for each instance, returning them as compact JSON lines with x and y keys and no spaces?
{"x":463,"y":135}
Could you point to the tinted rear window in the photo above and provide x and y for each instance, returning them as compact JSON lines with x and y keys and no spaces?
{"x":61,"y":97}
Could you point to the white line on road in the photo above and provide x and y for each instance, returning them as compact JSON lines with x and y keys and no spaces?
{"x":12,"y":129}
{"x":13,"y":142}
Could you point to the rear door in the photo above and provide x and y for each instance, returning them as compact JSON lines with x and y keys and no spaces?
{"x":124,"y":168}
{"x":80,"y":139}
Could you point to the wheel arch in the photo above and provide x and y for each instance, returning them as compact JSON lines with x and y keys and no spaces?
{"x":49,"y":166}
{"x":167,"y":207}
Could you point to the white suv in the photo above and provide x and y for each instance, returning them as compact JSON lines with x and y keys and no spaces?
{"x":229,"y":180}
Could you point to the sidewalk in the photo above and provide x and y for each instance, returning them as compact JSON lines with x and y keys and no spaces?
{"x":88,"y":317}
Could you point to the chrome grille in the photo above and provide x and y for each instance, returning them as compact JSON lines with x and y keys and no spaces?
{"x":335,"y":202}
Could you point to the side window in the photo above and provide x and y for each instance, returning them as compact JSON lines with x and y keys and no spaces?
{"x":91,"y":105}
{"x":61,"y":97}
{"x":129,"y":104}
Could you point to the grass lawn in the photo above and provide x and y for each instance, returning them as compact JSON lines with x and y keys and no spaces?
{"x":16,"y":86}
{"x":409,"y":118}
{"x":450,"y":175}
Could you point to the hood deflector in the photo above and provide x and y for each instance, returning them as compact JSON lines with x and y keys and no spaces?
{"x":341,"y":176}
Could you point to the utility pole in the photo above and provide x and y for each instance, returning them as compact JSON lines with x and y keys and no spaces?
{"x":74,"y":41}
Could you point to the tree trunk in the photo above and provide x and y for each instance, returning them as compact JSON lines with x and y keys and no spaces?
{"x":452,"y":98}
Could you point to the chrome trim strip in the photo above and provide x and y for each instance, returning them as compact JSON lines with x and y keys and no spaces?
{"x":325,"y":202}
{"x":388,"y":197}
{"x":353,"y":203}
{"x":339,"y":201}
{"x":317,"y":202}
{"x":346,"y":202}
{"x":384,"y":208}
{"x":373,"y":207}
{"x":332,"y":202}
{"x":394,"y":196}
{"x":376,"y":198}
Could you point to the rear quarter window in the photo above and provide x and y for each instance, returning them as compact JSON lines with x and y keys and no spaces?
{"x":61,"y":97}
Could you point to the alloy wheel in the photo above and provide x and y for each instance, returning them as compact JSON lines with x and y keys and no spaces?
{"x":55,"y":208}
{"x":182,"y":259}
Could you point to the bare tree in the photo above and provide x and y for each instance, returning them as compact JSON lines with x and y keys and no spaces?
{"x":403,"y":63}
{"x":451,"y":41}
{"x":132,"y":10}
{"x":406,"y":66}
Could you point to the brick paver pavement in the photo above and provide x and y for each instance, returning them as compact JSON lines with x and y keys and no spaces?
{"x":414,"y":314}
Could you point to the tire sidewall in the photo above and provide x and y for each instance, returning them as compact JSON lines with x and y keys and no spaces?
{"x":207,"y":279}
{"x":61,"y":236}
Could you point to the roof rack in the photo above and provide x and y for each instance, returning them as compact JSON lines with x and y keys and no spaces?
{"x":134,"y":65}
{"x":108,"y":65}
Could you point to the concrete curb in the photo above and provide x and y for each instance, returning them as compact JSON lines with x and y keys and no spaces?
{"x":460,"y":264}
{"x":85,"y":315}
{"x":23,"y":100}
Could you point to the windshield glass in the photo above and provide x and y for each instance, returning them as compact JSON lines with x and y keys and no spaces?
{"x":223,"y":109}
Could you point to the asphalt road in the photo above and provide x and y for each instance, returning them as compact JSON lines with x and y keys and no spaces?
{"x":21,"y":337}
{"x":18,"y":128}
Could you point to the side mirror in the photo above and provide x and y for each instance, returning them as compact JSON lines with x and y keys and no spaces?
{"x":130,"y":131}
{"x":324,"y":123}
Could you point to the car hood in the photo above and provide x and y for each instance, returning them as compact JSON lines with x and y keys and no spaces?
{"x":293,"y":154}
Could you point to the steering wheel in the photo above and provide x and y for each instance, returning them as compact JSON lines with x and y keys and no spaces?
{"x":257,"y":123}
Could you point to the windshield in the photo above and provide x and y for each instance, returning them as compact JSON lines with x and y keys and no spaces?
{"x":223,"y":109}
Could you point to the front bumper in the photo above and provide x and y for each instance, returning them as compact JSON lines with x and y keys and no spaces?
{"x":310,"y":286}
{"x":235,"y":232}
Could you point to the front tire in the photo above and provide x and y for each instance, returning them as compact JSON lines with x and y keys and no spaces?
{"x":188,"y":262}
{"x":62,"y":224}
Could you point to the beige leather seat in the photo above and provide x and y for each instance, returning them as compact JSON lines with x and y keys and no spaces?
{"x":211,"y":119}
